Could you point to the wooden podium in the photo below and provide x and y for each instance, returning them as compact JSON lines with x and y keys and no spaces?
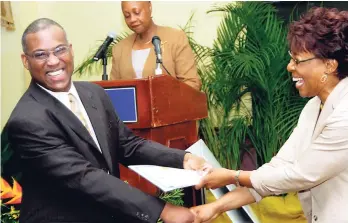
{"x":166,"y":111}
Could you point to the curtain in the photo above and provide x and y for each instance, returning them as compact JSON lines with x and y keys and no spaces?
{"x":6,"y":15}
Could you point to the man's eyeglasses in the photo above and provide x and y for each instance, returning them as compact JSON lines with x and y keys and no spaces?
{"x":297,"y":62}
{"x":43,"y":55}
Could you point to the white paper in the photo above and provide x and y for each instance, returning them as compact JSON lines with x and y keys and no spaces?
{"x":167,"y":178}
{"x":200,"y":149}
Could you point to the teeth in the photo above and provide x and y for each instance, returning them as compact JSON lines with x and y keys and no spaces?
{"x":55,"y":73}
{"x":297,"y":79}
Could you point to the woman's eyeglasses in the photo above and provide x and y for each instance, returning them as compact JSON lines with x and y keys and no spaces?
{"x":297,"y":62}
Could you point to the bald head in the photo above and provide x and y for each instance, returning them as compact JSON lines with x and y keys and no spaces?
{"x":137,"y":16}
{"x":139,"y":4}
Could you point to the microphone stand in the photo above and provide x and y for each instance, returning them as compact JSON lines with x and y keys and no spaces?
{"x":158,"y":70}
{"x":105,"y":62}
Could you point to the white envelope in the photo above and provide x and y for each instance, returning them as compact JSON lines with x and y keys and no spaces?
{"x":167,"y":178}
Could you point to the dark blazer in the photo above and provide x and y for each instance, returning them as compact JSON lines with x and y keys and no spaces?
{"x":65,"y":177}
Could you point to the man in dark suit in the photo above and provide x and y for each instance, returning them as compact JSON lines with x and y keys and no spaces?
{"x":70,"y":142}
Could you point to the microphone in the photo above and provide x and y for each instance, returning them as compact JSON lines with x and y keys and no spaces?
{"x":156,"y":41}
{"x":102,"y":49}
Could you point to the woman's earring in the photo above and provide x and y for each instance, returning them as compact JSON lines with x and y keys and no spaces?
{"x":323,"y":78}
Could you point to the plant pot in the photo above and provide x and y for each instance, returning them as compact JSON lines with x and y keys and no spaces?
{"x":249,"y":160}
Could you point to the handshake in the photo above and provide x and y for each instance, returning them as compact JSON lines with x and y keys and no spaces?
{"x":213,"y":178}
{"x":176,"y":214}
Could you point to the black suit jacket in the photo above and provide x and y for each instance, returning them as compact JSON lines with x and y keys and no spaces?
{"x":65,"y":177}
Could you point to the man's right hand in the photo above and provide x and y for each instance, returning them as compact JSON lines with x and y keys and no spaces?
{"x":206,"y":212}
{"x":176,"y":214}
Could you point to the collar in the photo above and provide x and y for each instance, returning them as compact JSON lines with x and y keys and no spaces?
{"x":72,"y":90}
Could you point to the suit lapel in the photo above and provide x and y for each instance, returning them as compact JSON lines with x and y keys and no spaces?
{"x":150,"y":64}
{"x":310,"y":122}
{"x":69,"y":119}
{"x":91,"y":106}
{"x":61,"y":112}
{"x":127,"y":64}
{"x":331,"y":102}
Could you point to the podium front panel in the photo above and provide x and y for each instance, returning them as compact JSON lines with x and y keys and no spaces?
{"x":124,"y":102}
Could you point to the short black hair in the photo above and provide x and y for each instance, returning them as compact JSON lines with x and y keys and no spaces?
{"x":36,"y":26}
{"x":323,"y":32}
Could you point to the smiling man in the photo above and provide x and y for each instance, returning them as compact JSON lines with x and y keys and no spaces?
{"x":70,"y":141}
{"x":51,"y":68}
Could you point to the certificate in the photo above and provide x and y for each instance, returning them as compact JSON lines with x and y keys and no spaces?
{"x":167,"y":178}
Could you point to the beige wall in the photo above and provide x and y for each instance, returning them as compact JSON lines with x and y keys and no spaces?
{"x":12,"y":72}
{"x":85,"y":24}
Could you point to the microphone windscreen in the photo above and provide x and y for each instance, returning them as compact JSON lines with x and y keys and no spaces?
{"x":154,"y":38}
{"x":112,"y":35}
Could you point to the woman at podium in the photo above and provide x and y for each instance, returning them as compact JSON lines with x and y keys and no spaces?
{"x":134,"y":56}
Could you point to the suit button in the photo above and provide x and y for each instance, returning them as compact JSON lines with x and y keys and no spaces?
{"x":315,"y":218}
{"x":106,"y":170}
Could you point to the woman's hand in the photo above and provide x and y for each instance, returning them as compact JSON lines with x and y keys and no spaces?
{"x":232,"y":200}
{"x":217,"y":178}
{"x":205,"y":213}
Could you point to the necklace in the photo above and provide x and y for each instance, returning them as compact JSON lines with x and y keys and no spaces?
{"x":148,"y":41}
{"x":154,"y":31}
{"x":145,"y":42}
